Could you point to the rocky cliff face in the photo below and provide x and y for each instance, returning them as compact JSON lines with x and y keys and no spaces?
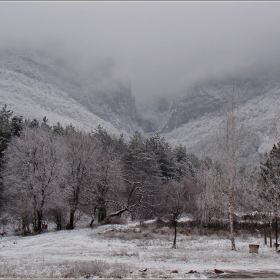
{"x":191,"y":107}
{"x":118,"y":107}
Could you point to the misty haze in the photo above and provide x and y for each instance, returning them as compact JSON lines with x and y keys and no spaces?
{"x":144,"y":127}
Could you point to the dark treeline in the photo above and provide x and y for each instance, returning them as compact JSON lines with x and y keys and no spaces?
{"x":56,"y":173}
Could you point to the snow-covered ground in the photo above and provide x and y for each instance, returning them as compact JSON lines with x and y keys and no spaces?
{"x":131,"y":251}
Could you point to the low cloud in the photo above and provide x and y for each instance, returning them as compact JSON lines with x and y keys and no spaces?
{"x":162,"y":48}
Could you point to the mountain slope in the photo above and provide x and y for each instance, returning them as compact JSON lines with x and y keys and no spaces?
{"x":256,"y":115}
{"x":35,"y":84}
{"x":211,"y":97}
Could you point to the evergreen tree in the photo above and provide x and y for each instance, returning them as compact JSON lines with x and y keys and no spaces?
{"x":180,"y":154}
{"x":16,"y":125}
{"x":81,"y":155}
{"x":102,"y":135}
{"x":58,"y":129}
{"x":9,"y":127}
{"x":141,"y":176}
{"x":162,"y":153}
{"x":45,"y":125}
{"x":32,"y":123}
{"x":269,"y":186}
{"x":5,"y":128}
{"x":270,"y":179}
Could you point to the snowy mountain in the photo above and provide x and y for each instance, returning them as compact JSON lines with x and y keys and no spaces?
{"x":35,"y":84}
{"x":192,"y":120}
{"x":256,"y":116}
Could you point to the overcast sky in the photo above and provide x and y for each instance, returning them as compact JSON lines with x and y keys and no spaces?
{"x":161,"y":47}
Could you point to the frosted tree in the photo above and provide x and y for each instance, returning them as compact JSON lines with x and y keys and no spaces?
{"x":210,"y":200}
{"x":81,"y":160}
{"x":229,"y":141}
{"x":102,"y":196}
{"x":108,"y":196}
{"x":192,"y":166}
{"x":33,"y":171}
{"x":117,"y":179}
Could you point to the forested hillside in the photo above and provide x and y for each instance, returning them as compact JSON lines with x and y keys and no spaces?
{"x":55,"y":173}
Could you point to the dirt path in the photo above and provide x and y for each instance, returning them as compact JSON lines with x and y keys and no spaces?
{"x":246,"y":274}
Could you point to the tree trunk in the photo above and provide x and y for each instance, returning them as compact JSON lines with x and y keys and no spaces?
{"x":91,"y":222}
{"x":71,"y":221}
{"x":276,"y":233}
{"x":102,"y":213}
{"x":25,"y":230}
{"x":265,"y":235}
{"x":175,"y":234}
{"x":39,"y":221}
{"x":270,"y":237}
{"x":232,"y":233}
{"x":58,"y":222}
{"x":230,"y":207}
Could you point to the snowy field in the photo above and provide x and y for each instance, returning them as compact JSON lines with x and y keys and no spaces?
{"x":131,"y":251}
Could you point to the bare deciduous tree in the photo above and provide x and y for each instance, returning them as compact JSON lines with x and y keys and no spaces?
{"x":210,"y":200}
{"x":103,"y":193}
{"x":175,"y":203}
{"x":230,"y":136}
